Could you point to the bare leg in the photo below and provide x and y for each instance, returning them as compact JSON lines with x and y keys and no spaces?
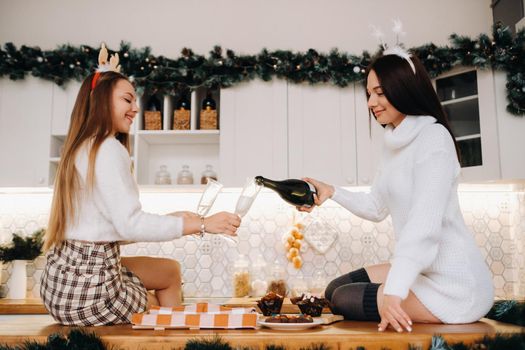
{"x":158,"y":274}
{"x":412,"y":306}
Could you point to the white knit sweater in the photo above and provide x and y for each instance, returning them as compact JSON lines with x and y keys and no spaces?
{"x":112,"y":211}
{"x":435,"y":255}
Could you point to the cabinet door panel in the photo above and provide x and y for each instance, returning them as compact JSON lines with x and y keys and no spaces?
{"x":63,"y":101}
{"x":25,"y":118}
{"x":321,"y":133}
{"x":369,"y":139}
{"x":253,"y":132}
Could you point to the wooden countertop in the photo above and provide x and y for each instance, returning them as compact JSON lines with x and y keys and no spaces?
{"x":341,"y":335}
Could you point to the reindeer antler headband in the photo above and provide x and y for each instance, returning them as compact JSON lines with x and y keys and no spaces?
{"x":104,"y":65}
{"x":395,"y":49}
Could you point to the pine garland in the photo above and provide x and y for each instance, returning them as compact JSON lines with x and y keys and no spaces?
{"x":79,"y":339}
{"x":159,"y":74}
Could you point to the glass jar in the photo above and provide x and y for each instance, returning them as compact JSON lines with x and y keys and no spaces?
{"x":277,"y":281}
{"x":208,"y":173}
{"x":162,"y":176}
{"x":299,"y":287}
{"x":318,"y":284}
{"x":259,"y":284}
{"x":241,"y":277}
{"x":185,"y":177}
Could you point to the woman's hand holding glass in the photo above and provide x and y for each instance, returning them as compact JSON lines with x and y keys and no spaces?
{"x":223,"y":222}
{"x":324,"y":192}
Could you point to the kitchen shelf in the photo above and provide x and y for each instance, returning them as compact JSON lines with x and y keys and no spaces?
{"x":168,"y":137}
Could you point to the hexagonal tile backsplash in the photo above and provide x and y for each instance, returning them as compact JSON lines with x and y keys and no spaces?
{"x":495,"y":217}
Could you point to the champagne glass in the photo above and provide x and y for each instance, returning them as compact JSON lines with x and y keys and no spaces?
{"x":248,"y":195}
{"x":208,"y":197}
{"x":246,"y":198}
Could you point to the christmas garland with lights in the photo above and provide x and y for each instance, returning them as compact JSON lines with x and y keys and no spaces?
{"x":159,"y":74}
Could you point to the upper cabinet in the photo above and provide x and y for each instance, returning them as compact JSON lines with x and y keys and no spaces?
{"x":468,"y":99}
{"x":274,"y":129}
{"x":321,"y":133}
{"x":25,"y":118}
{"x":254,"y":131}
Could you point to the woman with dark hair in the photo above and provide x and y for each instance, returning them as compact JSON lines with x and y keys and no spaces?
{"x":437,"y":273}
{"x":96,"y":207}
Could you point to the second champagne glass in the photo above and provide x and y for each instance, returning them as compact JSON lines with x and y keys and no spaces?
{"x":248,"y":194}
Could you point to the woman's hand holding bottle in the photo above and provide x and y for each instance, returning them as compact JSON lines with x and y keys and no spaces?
{"x":323,"y":192}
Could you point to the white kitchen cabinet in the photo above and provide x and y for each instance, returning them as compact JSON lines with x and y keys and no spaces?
{"x":253,"y":138}
{"x":25,"y":119}
{"x":369,"y":139}
{"x":321,"y":133}
{"x":468,"y":97}
{"x":64,"y":98}
{"x":511,"y":134}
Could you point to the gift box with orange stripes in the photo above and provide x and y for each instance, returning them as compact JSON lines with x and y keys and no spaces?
{"x":200,"y":315}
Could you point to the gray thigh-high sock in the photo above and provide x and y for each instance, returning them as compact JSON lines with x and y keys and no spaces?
{"x":355,"y":276}
{"x":356,"y":301}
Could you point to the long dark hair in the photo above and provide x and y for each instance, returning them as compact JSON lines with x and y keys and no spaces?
{"x":411,"y":94}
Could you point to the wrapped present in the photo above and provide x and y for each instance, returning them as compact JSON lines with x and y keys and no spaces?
{"x":195,"y":316}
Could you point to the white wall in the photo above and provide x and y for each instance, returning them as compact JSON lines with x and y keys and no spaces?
{"x":243,"y":25}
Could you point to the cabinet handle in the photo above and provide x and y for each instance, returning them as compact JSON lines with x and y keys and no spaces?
{"x":41,"y":180}
{"x":365,"y":180}
{"x":350,"y":180}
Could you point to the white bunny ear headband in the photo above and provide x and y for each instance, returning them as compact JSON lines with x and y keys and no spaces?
{"x":104,"y":65}
{"x":396,"y":48}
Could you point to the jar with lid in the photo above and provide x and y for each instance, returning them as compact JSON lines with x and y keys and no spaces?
{"x":299,"y":287}
{"x":185,"y":177}
{"x":208,"y":173}
{"x":162,"y":176}
{"x":241,"y":277}
{"x":318,"y":284}
{"x":259,"y":284}
{"x":277,"y":281}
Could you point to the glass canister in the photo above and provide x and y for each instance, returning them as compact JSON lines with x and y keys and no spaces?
{"x":241,"y":277}
{"x":185,"y":177}
{"x":299,"y":286}
{"x":162,"y":176}
{"x":258,"y":276}
{"x":208,"y":173}
{"x":277,"y":280}
{"x":318,"y":284}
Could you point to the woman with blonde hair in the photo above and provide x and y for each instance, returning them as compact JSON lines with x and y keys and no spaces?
{"x":96,"y":207}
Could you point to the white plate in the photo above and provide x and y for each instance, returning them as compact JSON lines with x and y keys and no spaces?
{"x":291,"y":326}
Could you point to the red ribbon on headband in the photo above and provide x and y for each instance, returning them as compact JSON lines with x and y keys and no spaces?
{"x":94,"y":80}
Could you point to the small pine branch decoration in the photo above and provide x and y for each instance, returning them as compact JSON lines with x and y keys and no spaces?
{"x":215,"y":343}
{"x":23,"y":248}
{"x":508,"y":311}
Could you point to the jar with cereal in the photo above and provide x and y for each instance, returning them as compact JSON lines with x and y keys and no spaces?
{"x":241,"y":277}
{"x":277,"y":280}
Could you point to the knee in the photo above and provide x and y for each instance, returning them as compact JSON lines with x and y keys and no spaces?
{"x":174,"y":271}
{"x":330,"y":289}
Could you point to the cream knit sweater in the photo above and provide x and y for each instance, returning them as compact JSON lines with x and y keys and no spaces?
{"x":435,"y":255}
{"x":112,"y":211}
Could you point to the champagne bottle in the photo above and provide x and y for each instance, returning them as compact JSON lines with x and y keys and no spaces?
{"x":294,"y":191}
{"x":209,"y":103}
{"x":183,"y":104}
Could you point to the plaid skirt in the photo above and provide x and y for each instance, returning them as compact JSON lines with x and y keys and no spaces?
{"x":84,"y":284}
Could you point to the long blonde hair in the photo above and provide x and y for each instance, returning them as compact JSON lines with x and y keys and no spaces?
{"x":91,"y":120}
